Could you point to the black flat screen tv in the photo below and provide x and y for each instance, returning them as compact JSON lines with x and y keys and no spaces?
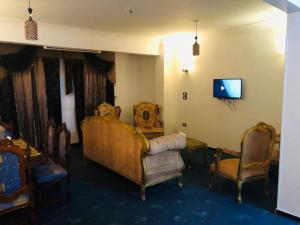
{"x":227,"y":88}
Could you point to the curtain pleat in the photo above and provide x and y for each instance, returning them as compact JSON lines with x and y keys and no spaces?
{"x":95,"y":89}
{"x":31,"y":104}
{"x":40,"y":105}
{"x":74,"y":71}
{"x":7,"y":101}
{"x":24,"y":105}
{"x":51,"y":69}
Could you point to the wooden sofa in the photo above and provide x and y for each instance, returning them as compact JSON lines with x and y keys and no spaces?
{"x":123,"y":149}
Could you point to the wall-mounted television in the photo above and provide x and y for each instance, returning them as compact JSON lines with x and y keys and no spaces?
{"x":227,"y":88}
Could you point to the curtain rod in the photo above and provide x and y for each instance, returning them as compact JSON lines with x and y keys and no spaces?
{"x":71,"y":49}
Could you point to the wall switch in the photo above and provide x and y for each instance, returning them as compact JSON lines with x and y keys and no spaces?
{"x":184,"y":95}
{"x":184,"y":124}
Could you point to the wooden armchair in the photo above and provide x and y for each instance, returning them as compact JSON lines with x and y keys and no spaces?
{"x":107,"y":109}
{"x":52,"y":139}
{"x":146,"y":118}
{"x":252,"y":163}
{"x":56,"y":170}
{"x":15,"y":182}
{"x":5,"y":129}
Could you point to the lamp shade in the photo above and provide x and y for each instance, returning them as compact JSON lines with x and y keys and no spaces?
{"x":196,"y":49}
{"x":31,"y":29}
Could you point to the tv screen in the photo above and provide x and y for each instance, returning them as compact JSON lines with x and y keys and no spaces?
{"x":228,"y":88}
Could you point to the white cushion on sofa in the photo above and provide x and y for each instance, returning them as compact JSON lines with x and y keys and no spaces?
{"x":167,"y":142}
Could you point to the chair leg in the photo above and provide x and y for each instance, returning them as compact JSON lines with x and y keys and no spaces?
{"x":239,"y":192}
{"x":179,"y":181}
{"x":205,"y":156}
{"x":211,"y":178}
{"x":189,"y":159}
{"x":84,"y":161}
{"x":142,"y":192}
{"x":266,"y":184}
{"x":68,"y":188}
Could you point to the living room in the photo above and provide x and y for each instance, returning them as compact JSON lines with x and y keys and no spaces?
{"x":147,"y":52}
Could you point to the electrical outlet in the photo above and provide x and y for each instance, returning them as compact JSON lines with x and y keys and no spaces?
{"x":184,"y":95}
{"x":184,"y":124}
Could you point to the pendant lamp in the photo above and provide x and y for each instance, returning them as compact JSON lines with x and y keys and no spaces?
{"x":196,"y":46}
{"x":31,"y":27}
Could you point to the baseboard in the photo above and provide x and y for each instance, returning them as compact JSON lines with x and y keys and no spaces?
{"x":295,"y":218}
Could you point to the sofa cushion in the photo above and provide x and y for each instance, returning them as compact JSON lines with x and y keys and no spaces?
{"x":21,"y":200}
{"x":162,"y":165}
{"x":49,"y":172}
{"x":167,"y":142}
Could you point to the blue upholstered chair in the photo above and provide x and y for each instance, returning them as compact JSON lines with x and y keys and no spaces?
{"x":15,"y":186}
{"x":56,"y":170}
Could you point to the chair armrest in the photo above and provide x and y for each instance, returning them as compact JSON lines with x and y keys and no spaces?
{"x":231,"y":152}
{"x":218,"y":157}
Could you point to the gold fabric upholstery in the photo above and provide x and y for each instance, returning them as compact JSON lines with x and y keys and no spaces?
{"x":122,"y":148}
{"x":253,"y":161}
{"x":107,"y":109}
{"x":146,"y":118}
{"x":276,"y":151}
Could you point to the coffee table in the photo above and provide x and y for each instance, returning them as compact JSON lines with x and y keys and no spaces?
{"x":192,"y":145}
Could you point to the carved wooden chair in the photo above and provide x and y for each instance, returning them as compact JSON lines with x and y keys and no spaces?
{"x":52,"y":139}
{"x":252,"y":162}
{"x":107,"y":109}
{"x":15,"y":181}
{"x":146,"y":118}
{"x":276,"y":151}
{"x":6,"y":129}
{"x":55,"y":173}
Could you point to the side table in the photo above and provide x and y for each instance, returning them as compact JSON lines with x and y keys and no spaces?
{"x":192,"y":145}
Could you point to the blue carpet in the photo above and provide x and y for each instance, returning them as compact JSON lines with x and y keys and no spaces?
{"x":100,"y":196}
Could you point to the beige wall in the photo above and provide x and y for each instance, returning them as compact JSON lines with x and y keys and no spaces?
{"x":135,"y":82}
{"x":251,"y":53}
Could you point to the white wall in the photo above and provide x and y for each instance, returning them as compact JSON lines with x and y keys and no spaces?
{"x":289,"y":178}
{"x":12,"y":31}
{"x":135,"y":82}
{"x":253,"y":53}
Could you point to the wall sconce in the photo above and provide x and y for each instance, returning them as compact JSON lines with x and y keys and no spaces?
{"x":184,"y":68}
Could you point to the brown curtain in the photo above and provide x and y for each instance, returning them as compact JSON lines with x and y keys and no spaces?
{"x":94,"y":88}
{"x":31,"y":104}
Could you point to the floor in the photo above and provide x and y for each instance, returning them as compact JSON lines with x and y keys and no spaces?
{"x":100,"y":196}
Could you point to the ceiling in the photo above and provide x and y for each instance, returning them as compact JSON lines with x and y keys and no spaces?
{"x":150,"y":18}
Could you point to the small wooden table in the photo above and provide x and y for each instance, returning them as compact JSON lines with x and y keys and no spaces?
{"x":36,"y":157}
{"x":192,"y":145}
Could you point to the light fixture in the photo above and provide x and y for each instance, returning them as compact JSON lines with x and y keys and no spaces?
{"x":71,"y":49}
{"x":196,"y":47}
{"x":184,"y":68}
{"x":31,"y":27}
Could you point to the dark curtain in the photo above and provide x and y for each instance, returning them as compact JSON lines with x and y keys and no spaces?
{"x":74,"y":72}
{"x":96,"y":71}
{"x":7,"y":102}
{"x":94,"y":88}
{"x":31,"y":104}
{"x":110,"y":92}
{"x":13,"y":63}
{"x":51,"y":68}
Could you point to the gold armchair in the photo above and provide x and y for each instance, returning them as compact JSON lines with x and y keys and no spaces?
{"x":252,"y":163}
{"x":146,"y":118}
{"x":107,"y":109}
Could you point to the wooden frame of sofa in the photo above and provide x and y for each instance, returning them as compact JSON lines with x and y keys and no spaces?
{"x":145,"y":148}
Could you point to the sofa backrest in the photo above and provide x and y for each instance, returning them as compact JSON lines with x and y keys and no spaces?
{"x":115,"y":145}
